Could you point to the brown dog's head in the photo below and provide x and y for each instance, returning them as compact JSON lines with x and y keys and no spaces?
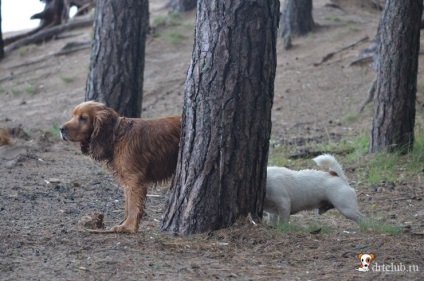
{"x":92,"y":125}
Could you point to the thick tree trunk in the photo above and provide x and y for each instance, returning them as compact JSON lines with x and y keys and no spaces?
{"x":1,"y":38}
{"x":221,"y":171}
{"x":296,"y":18}
{"x":395,"y":96}
{"x":117,"y":56}
{"x":182,"y":5}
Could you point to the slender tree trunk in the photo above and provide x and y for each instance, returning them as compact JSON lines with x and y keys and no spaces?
{"x":117,"y":56}
{"x":182,"y":5}
{"x":395,"y":95}
{"x":221,"y":171}
{"x":1,"y":38}
{"x":296,"y":18}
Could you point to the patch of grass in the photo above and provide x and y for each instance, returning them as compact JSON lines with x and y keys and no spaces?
{"x":382,"y":167}
{"x":377,"y":225}
{"x":67,"y":79}
{"x":55,"y":131}
{"x":22,"y":51}
{"x":332,"y":18}
{"x":159,"y":21}
{"x":312,"y":35}
{"x":350,"y":117}
{"x":172,"y":19}
{"x":188,"y":24}
{"x":359,"y":146}
{"x":291,"y":227}
{"x":173,"y":36}
{"x":276,"y":156}
{"x":353,"y":28}
{"x":30,"y":89}
{"x":16,"y":91}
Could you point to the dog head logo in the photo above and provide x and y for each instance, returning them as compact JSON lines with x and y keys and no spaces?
{"x":365,"y":261}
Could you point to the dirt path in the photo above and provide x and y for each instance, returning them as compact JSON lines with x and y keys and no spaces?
{"x":47,"y":186}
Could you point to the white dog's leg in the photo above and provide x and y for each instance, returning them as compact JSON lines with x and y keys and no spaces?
{"x":273,"y":219}
{"x":284,"y":211}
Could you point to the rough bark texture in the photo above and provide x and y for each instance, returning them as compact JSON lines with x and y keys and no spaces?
{"x":395,"y":96}
{"x":1,"y":38}
{"x":182,"y":5}
{"x":221,"y":171}
{"x":117,"y":56}
{"x":296,"y":18}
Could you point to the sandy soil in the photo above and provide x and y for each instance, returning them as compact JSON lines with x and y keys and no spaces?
{"x":47,"y":186}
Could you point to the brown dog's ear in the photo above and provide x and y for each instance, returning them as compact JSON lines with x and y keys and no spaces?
{"x":101,"y":141}
{"x":359,"y":256}
{"x":85,"y":146}
{"x":372,"y":256}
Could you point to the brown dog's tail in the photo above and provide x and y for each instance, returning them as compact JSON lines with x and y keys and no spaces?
{"x":328,"y":162}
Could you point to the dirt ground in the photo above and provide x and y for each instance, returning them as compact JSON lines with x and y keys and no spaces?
{"x":47,"y":186}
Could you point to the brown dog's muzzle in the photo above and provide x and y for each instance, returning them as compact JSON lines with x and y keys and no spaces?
{"x":63,"y":131}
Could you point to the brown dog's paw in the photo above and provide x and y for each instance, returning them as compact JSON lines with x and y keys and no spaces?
{"x":124,"y":228}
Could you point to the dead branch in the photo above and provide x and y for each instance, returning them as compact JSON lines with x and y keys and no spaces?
{"x":330,"y":55}
{"x":47,"y":34}
{"x":73,"y":50}
{"x":370,"y":95}
{"x":361,"y":61}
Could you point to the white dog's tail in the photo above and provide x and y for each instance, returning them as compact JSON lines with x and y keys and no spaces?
{"x":327,"y":161}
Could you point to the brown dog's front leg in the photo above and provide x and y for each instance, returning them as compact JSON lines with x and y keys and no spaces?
{"x":134,"y":208}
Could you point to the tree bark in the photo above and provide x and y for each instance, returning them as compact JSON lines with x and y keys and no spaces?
{"x":182,"y":5}
{"x":395,"y":95}
{"x":296,"y":18}
{"x":221,"y":171}
{"x":1,"y":38}
{"x":117,"y":55}
{"x":54,"y":13}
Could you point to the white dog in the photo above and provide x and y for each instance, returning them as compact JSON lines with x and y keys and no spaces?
{"x":289,"y":192}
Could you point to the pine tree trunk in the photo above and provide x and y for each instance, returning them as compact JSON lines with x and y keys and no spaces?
{"x":221,"y":171}
{"x":182,"y":5}
{"x":297,"y":18}
{"x":117,"y":56}
{"x":395,"y":96}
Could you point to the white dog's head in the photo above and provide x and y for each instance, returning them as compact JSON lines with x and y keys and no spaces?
{"x":365,"y":261}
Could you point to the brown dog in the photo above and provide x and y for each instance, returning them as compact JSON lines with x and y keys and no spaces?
{"x":138,"y":151}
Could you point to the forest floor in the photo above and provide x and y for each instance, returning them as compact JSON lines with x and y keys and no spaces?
{"x":47,"y":186}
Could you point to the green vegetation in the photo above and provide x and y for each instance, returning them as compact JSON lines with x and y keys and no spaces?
{"x":173,"y":18}
{"x":332,"y":18}
{"x":2,"y":90}
{"x":171,"y":27}
{"x":16,"y":91}
{"x":370,"y":168}
{"x":377,"y":225}
{"x":30,"y":89}
{"x":55,"y":131}
{"x":22,"y":51}
{"x":350,"y":117}
{"x":67,"y":79}
{"x":292,"y":227}
{"x":173,"y":36}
